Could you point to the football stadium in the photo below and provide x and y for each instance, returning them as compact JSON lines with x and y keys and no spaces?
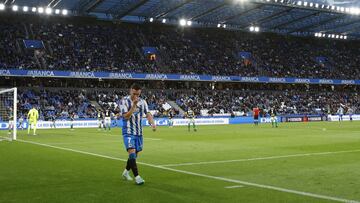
{"x":179,"y":101}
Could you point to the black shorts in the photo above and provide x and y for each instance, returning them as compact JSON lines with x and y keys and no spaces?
{"x":256,"y":117}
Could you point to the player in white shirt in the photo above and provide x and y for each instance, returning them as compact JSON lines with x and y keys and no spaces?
{"x":190,"y":115}
{"x":340,"y":113}
{"x":21,"y":123}
{"x":350,"y":111}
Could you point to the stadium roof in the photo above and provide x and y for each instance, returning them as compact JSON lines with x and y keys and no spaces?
{"x":293,"y":17}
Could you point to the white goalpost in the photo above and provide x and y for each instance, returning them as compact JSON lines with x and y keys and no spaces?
{"x":8,"y":113}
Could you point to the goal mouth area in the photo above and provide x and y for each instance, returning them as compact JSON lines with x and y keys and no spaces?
{"x":4,"y":138}
{"x":8,"y":113}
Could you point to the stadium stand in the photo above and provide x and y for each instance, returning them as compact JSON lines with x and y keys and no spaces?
{"x":62,"y":103}
{"x":85,"y":44}
{"x":91,"y":45}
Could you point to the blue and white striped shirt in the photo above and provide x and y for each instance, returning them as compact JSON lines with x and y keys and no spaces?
{"x":133,"y":125}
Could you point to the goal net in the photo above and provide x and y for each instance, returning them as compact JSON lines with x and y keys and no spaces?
{"x":8,"y":110}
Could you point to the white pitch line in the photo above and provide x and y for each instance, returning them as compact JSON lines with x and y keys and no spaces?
{"x":146,"y":138}
{"x":308,"y":194}
{"x":101,"y":142}
{"x":234,"y":186}
{"x":261,"y":158}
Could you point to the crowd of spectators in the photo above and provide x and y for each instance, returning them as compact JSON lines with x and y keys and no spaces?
{"x":241,"y":101}
{"x":155,"y":99}
{"x":285,"y":102}
{"x":61,"y":104}
{"x":92,"y":45}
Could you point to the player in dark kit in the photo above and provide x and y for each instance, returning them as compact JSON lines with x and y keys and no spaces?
{"x":72,"y":118}
{"x":107,"y":120}
{"x":256,"y":112}
{"x":100,"y":117}
{"x":171,"y":116}
{"x":11,"y":120}
{"x":274,"y":120}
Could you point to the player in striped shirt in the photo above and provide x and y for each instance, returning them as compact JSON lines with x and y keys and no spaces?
{"x":133,"y":109}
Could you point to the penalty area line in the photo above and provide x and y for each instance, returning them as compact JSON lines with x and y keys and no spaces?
{"x":234,"y":186}
{"x":261,"y":158}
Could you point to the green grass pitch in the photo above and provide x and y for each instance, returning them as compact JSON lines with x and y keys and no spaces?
{"x":297,"y":162}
